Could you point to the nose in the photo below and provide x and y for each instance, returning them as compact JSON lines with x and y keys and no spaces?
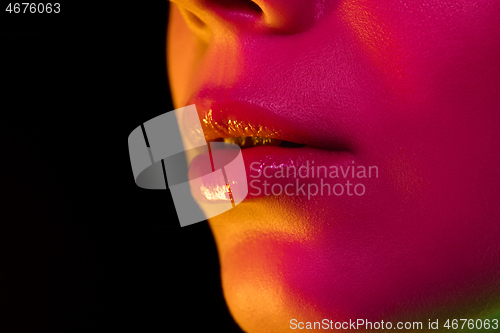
{"x":209,"y":17}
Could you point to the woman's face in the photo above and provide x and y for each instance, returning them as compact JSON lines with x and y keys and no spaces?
{"x":409,"y":88}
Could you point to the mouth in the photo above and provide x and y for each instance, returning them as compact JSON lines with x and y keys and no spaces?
{"x":268,"y":142}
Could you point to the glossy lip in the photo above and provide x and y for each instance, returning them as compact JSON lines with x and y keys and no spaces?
{"x":237,"y":119}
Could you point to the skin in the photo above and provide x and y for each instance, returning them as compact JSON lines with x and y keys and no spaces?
{"x":414,"y":87}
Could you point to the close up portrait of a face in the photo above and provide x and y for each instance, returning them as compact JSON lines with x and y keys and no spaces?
{"x":370,"y":132}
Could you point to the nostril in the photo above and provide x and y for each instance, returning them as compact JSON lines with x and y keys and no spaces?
{"x":253,"y":6}
{"x":224,"y":9}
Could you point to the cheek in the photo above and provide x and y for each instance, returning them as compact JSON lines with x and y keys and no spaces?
{"x":418,"y":47}
{"x":454,"y":56}
{"x":434,"y":126}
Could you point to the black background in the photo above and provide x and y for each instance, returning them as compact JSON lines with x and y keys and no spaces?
{"x":82,"y":248}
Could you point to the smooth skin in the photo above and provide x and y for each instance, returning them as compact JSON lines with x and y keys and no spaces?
{"x":414,"y":88}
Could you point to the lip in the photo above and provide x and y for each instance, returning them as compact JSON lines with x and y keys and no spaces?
{"x":263,"y":179}
{"x":236,"y":119}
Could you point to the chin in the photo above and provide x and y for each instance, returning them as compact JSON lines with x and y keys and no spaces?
{"x":283,"y":260}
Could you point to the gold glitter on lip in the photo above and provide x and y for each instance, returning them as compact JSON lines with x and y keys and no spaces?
{"x":238,"y":130}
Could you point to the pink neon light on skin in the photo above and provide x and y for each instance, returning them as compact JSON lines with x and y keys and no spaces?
{"x":412,"y":87}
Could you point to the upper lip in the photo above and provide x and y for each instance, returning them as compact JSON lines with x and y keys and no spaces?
{"x":230,"y":119}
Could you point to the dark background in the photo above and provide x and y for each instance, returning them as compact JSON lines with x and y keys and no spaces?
{"x":82,"y":248}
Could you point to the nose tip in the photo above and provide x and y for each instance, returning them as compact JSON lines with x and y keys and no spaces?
{"x":208,"y":17}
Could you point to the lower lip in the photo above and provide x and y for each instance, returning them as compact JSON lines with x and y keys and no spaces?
{"x":275,"y":171}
